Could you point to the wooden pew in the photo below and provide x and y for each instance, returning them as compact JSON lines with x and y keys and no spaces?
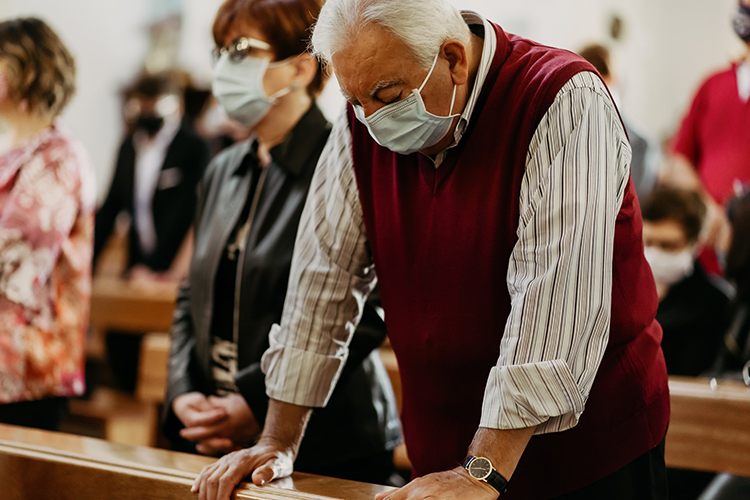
{"x":109,"y":413}
{"x":710,"y":426}
{"x":38,"y":464}
{"x":119,"y":305}
{"x":125,"y":307}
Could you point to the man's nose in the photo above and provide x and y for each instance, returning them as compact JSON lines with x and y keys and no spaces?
{"x":371,"y":107}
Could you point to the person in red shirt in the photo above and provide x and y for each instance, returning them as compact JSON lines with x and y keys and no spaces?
{"x":712,"y":147}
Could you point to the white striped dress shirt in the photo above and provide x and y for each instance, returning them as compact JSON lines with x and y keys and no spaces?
{"x":559,"y":275}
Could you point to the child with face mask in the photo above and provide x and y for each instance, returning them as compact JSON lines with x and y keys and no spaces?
{"x":691,"y":304}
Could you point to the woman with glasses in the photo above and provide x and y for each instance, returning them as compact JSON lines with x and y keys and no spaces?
{"x":249,"y":207}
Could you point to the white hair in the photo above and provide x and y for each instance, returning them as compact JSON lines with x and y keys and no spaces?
{"x":423,"y":25}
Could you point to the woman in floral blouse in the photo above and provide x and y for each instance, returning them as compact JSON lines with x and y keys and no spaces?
{"x":47,"y":198}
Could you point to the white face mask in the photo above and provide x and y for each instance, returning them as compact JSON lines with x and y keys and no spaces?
{"x":406,"y":126}
{"x":668,"y":267}
{"x":238,"y":87}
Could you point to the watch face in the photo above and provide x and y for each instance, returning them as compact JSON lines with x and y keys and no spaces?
{"x":480,"y":468}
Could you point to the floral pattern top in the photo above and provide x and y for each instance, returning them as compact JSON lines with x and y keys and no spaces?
{"x":47,"y":202}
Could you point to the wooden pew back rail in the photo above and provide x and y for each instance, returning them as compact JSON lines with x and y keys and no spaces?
{"x":40,"y":464}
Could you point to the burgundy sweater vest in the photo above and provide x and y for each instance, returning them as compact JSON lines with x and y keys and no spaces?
{"x":441,"y":240}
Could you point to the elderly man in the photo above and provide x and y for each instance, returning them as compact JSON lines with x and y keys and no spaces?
{"x":484,"y":179}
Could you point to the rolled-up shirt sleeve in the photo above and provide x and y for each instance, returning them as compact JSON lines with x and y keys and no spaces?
{"x":331,"y":276}
{"x":560,"y":271}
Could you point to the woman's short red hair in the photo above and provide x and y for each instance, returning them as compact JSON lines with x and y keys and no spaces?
{"x":285,"y":23}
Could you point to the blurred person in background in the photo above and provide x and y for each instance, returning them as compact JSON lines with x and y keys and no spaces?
{"x":249,"y":208}
{"x":692,"y":305}
{"x":735,"y":350}
{"x":47,"y":201}
{"x":712,"y":147}
{"x":159,"y":165}
{"x":733,"y":361}
{"x":647,"y":155}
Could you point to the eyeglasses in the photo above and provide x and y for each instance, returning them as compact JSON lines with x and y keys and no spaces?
{"x":239,"y":49}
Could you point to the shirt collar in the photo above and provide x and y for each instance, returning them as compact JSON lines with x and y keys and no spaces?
{"x":489,"y":47}
{"x":743,"y":81}
{"x":293,"y":153}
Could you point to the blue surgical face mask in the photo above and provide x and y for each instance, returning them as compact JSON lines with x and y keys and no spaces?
{"x":238,"y":87}
{"x":406,"y":126}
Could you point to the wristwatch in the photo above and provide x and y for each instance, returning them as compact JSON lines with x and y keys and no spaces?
{"x":481,"y":469}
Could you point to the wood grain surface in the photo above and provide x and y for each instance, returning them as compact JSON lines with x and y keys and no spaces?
{"x":46,"y":465}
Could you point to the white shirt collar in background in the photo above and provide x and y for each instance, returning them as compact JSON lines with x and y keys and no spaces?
{"x":743,"y":81}
{"x":150,"y":153}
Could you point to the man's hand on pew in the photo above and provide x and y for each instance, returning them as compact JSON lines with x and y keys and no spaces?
{"x":236,"y":431}
{"x":502,"y":447}
{"x":271,"y":458}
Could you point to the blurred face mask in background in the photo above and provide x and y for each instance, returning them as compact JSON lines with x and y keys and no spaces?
{"x":669,"y":267}
{"x":151,"y":124}
{"x":238,"y":88}
{"x":150,"y":116}
{"x":741,"y":22}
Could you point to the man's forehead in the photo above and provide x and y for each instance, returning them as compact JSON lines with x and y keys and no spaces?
{"x":373,"y":61}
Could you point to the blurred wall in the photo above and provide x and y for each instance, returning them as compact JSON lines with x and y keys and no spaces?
{"x":108,"y":40}
{"x":667,"y":49}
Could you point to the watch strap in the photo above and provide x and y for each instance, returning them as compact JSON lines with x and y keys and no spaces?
{"x":495,"y":479}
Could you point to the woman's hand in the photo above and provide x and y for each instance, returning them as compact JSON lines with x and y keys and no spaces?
{"x":238,"y":429}
{"x":194,"y":410}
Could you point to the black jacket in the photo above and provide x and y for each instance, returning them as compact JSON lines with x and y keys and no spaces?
{"x":173,"y":204}
{"x":361,"y":417}
{"x":692,"y":318}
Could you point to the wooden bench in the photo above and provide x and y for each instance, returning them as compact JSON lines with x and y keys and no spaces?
{"x":709,"y":428}
{"x":119,"y":305}
{"x":39,"y":464}
{"x":114,"y":415}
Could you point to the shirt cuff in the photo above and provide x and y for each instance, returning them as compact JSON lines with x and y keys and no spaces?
{"x":543,"y":394}
{"x":300,"y":377}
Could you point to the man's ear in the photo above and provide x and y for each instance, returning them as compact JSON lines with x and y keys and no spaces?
{"x":455,"y":52}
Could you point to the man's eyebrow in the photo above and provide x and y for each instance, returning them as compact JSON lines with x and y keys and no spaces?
{"x":382,"y":85}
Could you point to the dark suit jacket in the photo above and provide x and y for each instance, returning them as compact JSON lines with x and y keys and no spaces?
{"x":361,"y":418}
{"x":173,"y":204}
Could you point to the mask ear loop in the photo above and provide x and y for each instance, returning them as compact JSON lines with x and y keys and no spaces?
{"x":434,"y":63}
{"x":294,"y":86}
{"x":453,"y":99}
{"x":281,"y":93}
